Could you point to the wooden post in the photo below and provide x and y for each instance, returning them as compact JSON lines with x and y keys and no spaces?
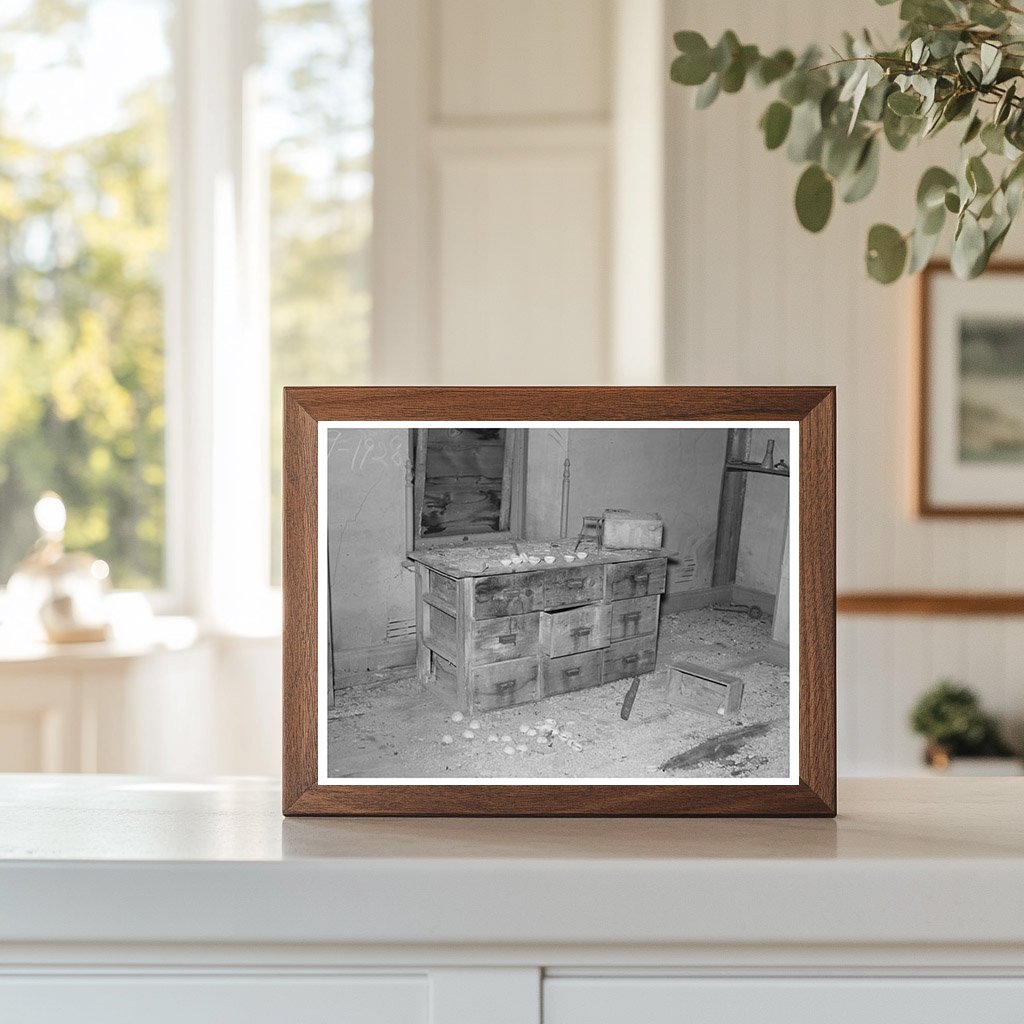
{"x":730,"y":508}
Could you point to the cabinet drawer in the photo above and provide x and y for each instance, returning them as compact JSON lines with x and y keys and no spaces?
{"x":573,"y":672}
{"x":508,"y":594}
{"x":564,"y":588}
{"x":443,"y":587}
{"x":573,"y":631}
{"x":504,"y":639}
{"x":636,"y":617}
{"x":439,"y":632}
{"x":504,"y":683}
{"x":630,"y":658}
{"x":636,"y":579}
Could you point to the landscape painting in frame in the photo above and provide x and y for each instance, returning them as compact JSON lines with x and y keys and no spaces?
{"x":972,"y":393}
{"x":557,"y":602}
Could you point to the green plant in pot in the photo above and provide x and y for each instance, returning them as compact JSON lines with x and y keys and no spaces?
{"x":956,"y":63}
{"x":950,"y":717}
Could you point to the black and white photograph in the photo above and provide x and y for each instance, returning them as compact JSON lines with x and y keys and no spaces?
{"x":557,"y":601}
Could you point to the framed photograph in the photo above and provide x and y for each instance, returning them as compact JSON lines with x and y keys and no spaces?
{"x":970,"y":451}
{"x":559,"y":601}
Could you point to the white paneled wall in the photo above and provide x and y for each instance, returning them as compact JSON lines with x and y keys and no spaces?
{"x":518,"y":151}
{"x":754,"y":299}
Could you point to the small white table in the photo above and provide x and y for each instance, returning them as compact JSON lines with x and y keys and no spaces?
{"x":197,"y":902}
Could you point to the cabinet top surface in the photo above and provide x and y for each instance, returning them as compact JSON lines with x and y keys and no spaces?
{"x":460,"y":561}
{"x":127,"y":860}
{"x":134,"y":818}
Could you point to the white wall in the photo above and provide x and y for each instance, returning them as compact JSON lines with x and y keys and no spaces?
{"x":754,"y":299}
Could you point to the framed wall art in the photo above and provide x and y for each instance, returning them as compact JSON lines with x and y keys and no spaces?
{"x":559,"y":601}
{"x":970,"y":444}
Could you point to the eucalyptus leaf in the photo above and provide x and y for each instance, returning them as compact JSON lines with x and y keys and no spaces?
{"x":814,"y":195}
{"x":904,"y":103}
{"x":886,"y":253}
{"x":931,"y":190}
{"x":973,"y":130}
{"x":707,"y":93}
{"x":968,"y":247}
{"x":775,"y":124}
{"x":978,"y":176}
{"x":771,"y":69}
{"x":805,"y":133}
{"x":993,"y":138}
{"x":922,"y":248}
{"x":865,"y":174}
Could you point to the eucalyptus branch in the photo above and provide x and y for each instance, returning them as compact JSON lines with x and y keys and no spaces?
{"x":954,"y":60}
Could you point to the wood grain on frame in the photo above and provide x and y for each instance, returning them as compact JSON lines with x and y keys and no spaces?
{"x":922,"y":502}
{"x":812,"y":407}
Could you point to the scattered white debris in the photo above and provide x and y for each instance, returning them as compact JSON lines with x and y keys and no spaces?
{"x":524,"y":728}
{"x":468,"y":734}
{"x":576,"y":746}
{"x":542,"y":739}
{"x":447,"y":738}
{"x":506,"y":738}
{"x":474,"y":724}
{"x":565,"y":734}
{"x":493,"y":738}
{"x":458,"y":716}
{"x":522,"y":746}
{"x":550,"y":721}
{"x":531,"y":732}
{"x":510,"y":750}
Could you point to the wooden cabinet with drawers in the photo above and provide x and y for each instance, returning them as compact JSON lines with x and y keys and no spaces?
{"x":491,"y":635}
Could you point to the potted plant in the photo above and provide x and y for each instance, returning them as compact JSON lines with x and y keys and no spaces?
{"x":950,"y":717}
{"x":956,"y":62}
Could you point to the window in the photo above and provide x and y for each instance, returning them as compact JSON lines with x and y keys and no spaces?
{"x":185,"y":221}
{"x":317,"y":118}
{"x":83,"y":236}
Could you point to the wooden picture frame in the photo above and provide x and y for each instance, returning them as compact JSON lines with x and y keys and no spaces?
{"x":810,"y":414}
{"x":947,"y":483}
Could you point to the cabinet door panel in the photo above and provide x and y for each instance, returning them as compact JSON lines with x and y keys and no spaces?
{"x":199,"y":999}
{"x":783,"y":1000}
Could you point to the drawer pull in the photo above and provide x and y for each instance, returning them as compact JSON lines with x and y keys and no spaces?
{"x":642,"y":577}
{"x":630,"y":658}
{"x":505,"y":687}
{"x":575,"y":584}
{"x":581,"y":631}
{"x":633,"y":617}
{"x":568,"y":673}
{"x":483,"y":597}
{"x":507,"y":638}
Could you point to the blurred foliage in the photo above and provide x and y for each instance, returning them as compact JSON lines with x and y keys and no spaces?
{"x":957,"y":61}
{"x":82,"y":229}
{"x":950,"y":717}
{"x":318,"y":81}
{"x":82,"y":241}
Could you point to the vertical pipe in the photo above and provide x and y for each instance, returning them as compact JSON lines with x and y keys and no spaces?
{"x":565,"y":499}
{"x":409,"y":506}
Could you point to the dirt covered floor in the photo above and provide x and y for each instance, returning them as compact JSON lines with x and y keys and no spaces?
{"x":384,"y":725}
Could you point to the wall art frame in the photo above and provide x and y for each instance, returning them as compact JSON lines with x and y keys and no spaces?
{"x":969,"y":448}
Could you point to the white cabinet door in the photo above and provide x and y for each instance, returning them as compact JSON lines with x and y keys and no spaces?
{"x":202,"y":999}
{"x":677,"y":1000}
